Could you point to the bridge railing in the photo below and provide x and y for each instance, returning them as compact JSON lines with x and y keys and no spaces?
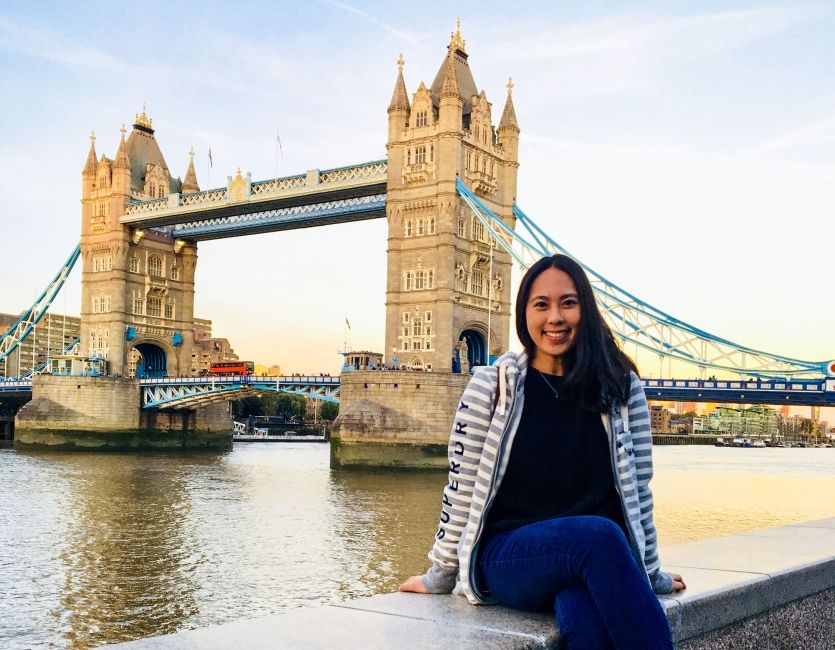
{"x":374,"y":171}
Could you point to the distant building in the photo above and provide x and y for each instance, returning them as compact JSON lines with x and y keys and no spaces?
{"x":659,"y":419}
{"x":208,"y":348}
{"x":274,"y":370}
{"x":363,"y":360}
{"x":50,"y":337}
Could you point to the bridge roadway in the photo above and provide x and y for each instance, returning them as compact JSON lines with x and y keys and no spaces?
{"x":189,"y":392}
{"x":244,"y":207}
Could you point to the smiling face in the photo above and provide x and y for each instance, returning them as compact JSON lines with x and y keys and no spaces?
{"x":553,"y":316}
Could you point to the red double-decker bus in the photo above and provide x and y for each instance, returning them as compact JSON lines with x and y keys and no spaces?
{"x":231,"y":368}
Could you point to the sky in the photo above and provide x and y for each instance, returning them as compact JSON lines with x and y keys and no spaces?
{"x":686,"y":151}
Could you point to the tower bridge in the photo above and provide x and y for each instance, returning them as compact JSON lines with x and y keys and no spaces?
{"x":447,"y":189}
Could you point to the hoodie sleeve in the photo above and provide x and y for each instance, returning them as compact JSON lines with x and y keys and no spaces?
{"x":639,"y":425}
{"x":466,"y":441}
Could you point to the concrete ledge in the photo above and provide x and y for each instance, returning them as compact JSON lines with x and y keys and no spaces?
{"x":742,"y":591}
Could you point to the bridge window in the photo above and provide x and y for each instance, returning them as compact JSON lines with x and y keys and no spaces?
{"x":416,"y":346}
{"x":169,"y":310}
{"x":405,"y":345}
{"x":154,"y":306}
{"x":409,"y":228}
{"x":155,"y":266}
{"x":431,"y":153}
{"x":461,"y":228}
{"x":420,"y":226}
{"x":421,"y":118}
{"x":430,"y":279}
{"x":405,"y":317}
{"x":153,"y":190}
{"x":478,"y":230}
{"x":134,"y":265}
{"x":432,"y":225}
{"x":138,"y":305}
{"x":420,"y":155}
{"x":427,"y":316}
{"x":419,"y":280}
{"x":409,"y":280}
{"x":417,"y":327}
{"x":477,"y":282}
{"x":409,"y":156}
{"x":175,"y":272}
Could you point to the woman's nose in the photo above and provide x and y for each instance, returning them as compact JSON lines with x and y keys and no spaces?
{"x":555,"y":315}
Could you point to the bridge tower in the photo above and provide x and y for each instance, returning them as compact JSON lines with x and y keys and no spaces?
{"x":137,"y":287}
{"x":448,"y":289}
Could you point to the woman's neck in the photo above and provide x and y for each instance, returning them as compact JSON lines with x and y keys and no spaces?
{"x":548,"y":364}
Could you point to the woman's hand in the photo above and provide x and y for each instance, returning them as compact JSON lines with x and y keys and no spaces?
{"x":678,"y":583}
{"x":414,"y":584}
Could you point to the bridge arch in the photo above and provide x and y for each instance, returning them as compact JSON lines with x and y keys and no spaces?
{"x":472,"y":341}
{"x":155,"y":358}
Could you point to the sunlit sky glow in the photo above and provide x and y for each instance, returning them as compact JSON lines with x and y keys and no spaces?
{"x":684,"y":150}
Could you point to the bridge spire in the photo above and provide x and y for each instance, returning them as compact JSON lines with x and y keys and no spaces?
{"x":190,"y":183}
{"x":399,"y":98}
{"x":92,"y":159}
{"x":508,"y":121}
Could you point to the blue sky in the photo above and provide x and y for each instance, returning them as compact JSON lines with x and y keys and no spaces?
{"x":685,"y":150}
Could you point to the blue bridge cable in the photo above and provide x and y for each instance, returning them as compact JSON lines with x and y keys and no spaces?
{"x":27,"y":321}
{"x":663,"y":348}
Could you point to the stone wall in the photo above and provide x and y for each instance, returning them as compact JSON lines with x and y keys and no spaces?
{"x":103,"y":413}
{"x":80,"y":403}
{"x":395,"y":418}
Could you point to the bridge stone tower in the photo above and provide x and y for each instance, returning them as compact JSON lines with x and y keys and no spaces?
{"x":137,"y":287}
{"x":448,"y":289}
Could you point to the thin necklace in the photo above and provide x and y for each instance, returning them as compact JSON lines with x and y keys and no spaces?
{"x":553,"y":390}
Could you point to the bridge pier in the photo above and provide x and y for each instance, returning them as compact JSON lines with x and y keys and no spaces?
{"x":103,"y":413}
{"x":395,"y":418}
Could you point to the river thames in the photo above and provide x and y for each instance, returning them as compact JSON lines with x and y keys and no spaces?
{"x":100,"y":548}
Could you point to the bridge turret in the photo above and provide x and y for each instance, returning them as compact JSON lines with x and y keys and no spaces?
{"x":508,"y":139}
{"x":88,"y":174}
{"x":399,"y":106}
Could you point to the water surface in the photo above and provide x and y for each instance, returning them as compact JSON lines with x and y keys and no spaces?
{"x":99,"y":548}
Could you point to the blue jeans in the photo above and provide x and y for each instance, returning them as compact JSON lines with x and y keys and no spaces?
{"x":582,"y":569}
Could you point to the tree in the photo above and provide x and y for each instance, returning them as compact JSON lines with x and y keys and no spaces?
{"x":329,"y":411}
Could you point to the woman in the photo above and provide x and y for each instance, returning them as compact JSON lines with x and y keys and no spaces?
{"x":548,"y":506}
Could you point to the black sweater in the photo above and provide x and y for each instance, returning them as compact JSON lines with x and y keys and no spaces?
{"x":555,"y":433}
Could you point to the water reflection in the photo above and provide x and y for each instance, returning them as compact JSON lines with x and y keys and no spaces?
{"x":129,"y":552}
{"x":385,"y":522}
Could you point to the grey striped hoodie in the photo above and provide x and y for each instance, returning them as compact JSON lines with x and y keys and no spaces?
{"x":479,"y":448}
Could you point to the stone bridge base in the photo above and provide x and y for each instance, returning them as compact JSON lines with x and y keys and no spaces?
{"x":393,"y":418}
{"x":103,"y":413}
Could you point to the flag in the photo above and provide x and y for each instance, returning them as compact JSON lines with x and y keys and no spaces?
{"x":211,"y":164}
{"x":347,"y":323}
{"x":278,"y":142}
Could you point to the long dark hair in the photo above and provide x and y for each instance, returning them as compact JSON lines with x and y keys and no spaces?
{"x":596,"y":369}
